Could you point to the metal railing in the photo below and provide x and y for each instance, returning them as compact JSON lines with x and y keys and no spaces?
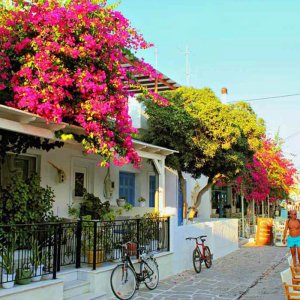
{"x":34,"y":250}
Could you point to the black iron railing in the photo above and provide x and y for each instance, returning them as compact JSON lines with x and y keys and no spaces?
{"x":35,"y":250}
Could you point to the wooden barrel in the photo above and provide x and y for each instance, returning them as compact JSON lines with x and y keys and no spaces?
{"x":264,"y":234}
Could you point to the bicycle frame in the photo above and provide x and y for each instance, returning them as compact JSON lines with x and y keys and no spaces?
{"x":202,"y":246}
{"x":140,"y":277}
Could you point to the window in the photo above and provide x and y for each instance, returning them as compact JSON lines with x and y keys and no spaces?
{"x":17,"y":165}
{"x":127,"y":186}
{"x":80,"y":181}
{"x":152,"y":190}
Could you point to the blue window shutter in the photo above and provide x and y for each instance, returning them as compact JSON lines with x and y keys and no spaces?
{"x":127,"y":186}
{"x":152,"y":190}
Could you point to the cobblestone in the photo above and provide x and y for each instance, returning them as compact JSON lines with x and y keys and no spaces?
{"x":250,"y":273}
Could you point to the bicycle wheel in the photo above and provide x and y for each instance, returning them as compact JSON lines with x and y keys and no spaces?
{"x":123,"y":282}
{"x":151,"y":274}
{"x":197,"y":260}
{"x":207,"y":257}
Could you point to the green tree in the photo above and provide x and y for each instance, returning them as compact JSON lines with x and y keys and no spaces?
{"x":213,"y":139}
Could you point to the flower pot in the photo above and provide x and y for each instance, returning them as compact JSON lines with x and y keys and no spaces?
{"x":142,"y":204}
{"x":37,"y":273}
{"x":237,"y":210}
{"x":154,"y":245}
{"x":99,"y":257}
{"x":213,"y":211}
{"x":121,"y":202}
{"x":23,"y":276}
{"x":131,"y":247}
{"x":8,"y":280}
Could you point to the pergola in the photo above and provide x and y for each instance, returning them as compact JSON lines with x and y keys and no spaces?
{"x":15,"y":120}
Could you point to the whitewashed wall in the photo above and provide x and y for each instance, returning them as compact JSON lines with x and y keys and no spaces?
{"x":172,"y":192}
{"x":222,"y":238}
{"x":70,"y":157}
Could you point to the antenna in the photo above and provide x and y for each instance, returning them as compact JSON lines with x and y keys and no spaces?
{"x":187,"y":67}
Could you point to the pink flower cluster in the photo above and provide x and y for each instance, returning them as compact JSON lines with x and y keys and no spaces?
{"x":70,"y":63}
{"x":269,"y":174}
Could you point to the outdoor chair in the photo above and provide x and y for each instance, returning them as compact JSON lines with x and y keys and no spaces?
{"x":292,"y":292}
{"x":295,"y":271}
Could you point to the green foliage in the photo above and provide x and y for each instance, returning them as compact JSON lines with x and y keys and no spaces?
{"x":37,"y":256}
{"x":25,"y":201}
{"x":212,"y":138}
{"x":93,"y":206}
{"x":7,"y":252}
{"x":127,"y":206}
{"x":141,"y":199}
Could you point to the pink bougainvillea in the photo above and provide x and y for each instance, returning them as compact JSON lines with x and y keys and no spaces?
{"x":74,"y":63}
{"x":269,"y":174}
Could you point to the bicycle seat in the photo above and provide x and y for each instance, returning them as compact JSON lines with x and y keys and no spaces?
{"x":201,"y":237}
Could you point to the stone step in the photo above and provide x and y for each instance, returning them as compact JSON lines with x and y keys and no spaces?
{"x":75,"y":288}
{"x":89,"y":296}
{"x":68,"y":275}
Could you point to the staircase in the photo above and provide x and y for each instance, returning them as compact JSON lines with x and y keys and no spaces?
{"x":78,"y":289}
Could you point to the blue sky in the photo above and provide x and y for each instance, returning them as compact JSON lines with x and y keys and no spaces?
{"x":250,"y":46}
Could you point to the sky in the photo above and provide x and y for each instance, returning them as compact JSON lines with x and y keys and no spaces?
{"x":252,"y":47}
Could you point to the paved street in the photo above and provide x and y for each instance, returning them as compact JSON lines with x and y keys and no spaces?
{"x":249,"y":273}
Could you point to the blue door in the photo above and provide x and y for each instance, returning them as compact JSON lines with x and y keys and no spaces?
{"x":180,"y":205}
{"x":152,"y":190}
{"x":127,"y":186}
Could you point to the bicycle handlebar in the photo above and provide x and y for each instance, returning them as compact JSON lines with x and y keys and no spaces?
{"x":196,"y":238}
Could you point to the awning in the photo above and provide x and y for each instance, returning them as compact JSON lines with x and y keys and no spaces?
{"x":16,"y":120}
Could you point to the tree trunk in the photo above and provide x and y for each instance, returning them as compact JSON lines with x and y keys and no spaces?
{"x":202,"y":192}
{"x":182,"y":188}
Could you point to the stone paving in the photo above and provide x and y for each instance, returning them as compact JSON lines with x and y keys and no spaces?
{"x":250,"y":273}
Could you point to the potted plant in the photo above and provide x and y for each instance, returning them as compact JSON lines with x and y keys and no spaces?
{"x":149,"y":227}
{"x":37,"y":260}
{"x":142,"y":201}
{"x":24,"y":274}
{"x":130,"y":235}
{"x":121,"y":201}
{"x":8,"y":273}
{"x":88,"y":235}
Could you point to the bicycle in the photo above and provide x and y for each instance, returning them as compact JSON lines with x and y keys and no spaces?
{"x":199,"y":256}
{"x":124,"y":280}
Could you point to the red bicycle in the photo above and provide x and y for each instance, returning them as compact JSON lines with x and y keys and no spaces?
{"x":200,"y":256}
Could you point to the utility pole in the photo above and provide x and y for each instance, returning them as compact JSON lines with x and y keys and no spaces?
{"x":156,"y":57}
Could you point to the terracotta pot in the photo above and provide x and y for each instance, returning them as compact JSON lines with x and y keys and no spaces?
{"x":132,"y":249}
{"x":99,"y":257}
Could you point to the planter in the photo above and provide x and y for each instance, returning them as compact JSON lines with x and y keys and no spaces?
{"x":121,"y":202}
{"x":131,"y":247}
{"x":213,"y":211}
{"x":23,"y":276}
{"x":9,"y":278}
{"x":237,"y":210}
{"x":233,"y":210}
{"x":99,"y":257}
{"x":37,"y":273}
{"x":142,"y":204}
{"x":153,"y":245}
